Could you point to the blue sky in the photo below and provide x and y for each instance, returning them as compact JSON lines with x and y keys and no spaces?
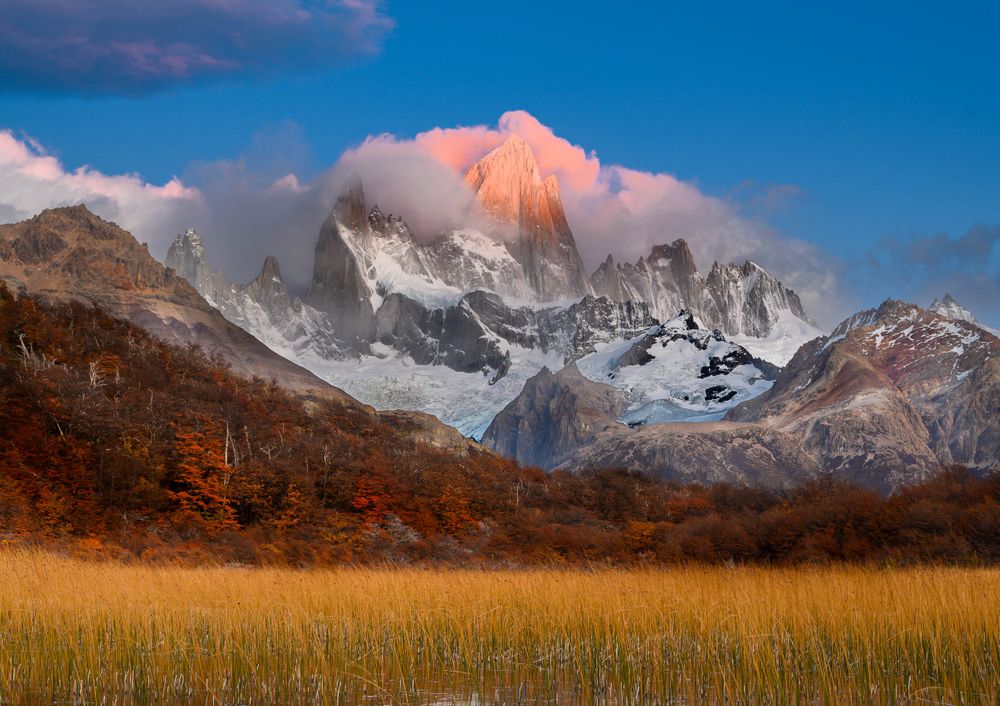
{"x":881,"y":121}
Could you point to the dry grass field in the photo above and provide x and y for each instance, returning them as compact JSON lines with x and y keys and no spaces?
{"x":73,"y":631}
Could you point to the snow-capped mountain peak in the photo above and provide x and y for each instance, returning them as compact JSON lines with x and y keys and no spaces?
{"x":951,"y":309}
{"x":678,"y":371}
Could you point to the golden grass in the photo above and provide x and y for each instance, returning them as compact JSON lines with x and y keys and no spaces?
{"x":75,"y":631}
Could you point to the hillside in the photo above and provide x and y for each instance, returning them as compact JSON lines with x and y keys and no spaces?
{"x":112,"y":441}
{"x":70,"y":254}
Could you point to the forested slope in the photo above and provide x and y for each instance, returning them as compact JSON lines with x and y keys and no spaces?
{"x":113,"y":442}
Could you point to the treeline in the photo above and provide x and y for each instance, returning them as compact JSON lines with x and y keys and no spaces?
{"x":114,"y":443}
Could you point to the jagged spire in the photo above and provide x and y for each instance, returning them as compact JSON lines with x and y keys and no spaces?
{"x":350,"y":206}
{"x":515,"y":205}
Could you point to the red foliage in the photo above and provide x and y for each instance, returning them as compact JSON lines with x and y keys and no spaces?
{"x":113,"y":441}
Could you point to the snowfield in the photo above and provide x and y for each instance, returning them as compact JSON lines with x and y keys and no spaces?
{"x":466,"y":401}
{"x":671,"y":387}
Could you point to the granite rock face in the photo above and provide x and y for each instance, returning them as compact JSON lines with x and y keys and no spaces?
{"x":736,"y":299}
{"x":517,"y":206}
{"x":555,"y":414}
{"x":340,"y":286}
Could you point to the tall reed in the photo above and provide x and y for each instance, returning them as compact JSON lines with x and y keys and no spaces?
{"x":73,"y":631}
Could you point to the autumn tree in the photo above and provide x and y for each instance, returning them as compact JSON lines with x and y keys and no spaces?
{"x":201,"y":476}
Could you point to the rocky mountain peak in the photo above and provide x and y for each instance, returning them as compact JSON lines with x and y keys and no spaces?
{"x":737,"y":299}
{"x":350,"y":206}
{"x":516,"y":206}
{"x":190,"y":238}
{"x":270,"y":268}
{"x":507,"y":184}
{"x":677,"y":255}
{"x":340,"y":285}
{"x":951,"y":309}
{"x":376,"y":219}
{"x":555,"y":414}
{"x":186,"y":255}
{"x":269,"y":290}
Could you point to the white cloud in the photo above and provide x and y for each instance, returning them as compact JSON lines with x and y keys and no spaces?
{"x":31,"y":180}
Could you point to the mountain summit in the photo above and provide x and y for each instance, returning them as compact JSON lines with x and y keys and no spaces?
{"x":951,"y":309}
{"x":516,"y":205}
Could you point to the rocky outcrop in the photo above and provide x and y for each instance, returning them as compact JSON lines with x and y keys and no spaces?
{"x":736,"y":299}
{"x":703,"y":452}
{"x":340,"y":285}
{"x":517,"y":206}
{"x":554,"y":416}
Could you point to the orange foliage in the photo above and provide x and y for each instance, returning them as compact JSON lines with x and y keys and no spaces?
{"x":114,"y":442}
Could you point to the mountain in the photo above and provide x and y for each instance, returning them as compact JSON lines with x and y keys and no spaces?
{"x":671,"y":372}
{"x":515,"y":205}
{"x":116,"y":444}
{"x":455,"y":325}
{"x":341,"y":285}
{"x":892,"y":395}
{"x":677,"y":371}
{"x":262,"y":307}
{"x":567,"y":421}
{"x":554,"y":415}
{"x":951,"y":309}
{"x":742,"y":301}
{"x":71,"y":254}
{"x":438,"y":326}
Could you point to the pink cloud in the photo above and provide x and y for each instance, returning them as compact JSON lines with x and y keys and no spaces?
{"x":574,"y":167}
{"x":459,"y":147}
{"x":611,"y":208}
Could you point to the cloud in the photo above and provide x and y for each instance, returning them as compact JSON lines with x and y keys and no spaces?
{"x":622,"y":211}
{"x":257,"y":204}
{"x":31,"y":180}
{"x":920,"y":268}
{"x":460,"y":147}
{"x":136,"y":46}
{"x":404,"y":179}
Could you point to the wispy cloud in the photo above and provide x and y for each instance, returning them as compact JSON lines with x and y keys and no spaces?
{"x":920,"y":268}
{"x":136,"y":46}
